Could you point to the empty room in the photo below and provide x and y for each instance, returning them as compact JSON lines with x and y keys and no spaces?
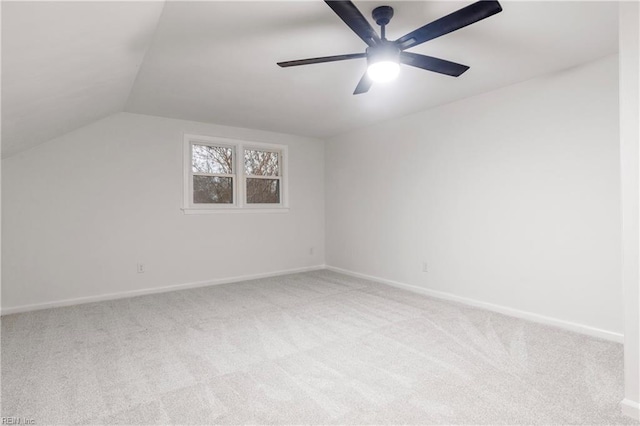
{"x":320,"y":212}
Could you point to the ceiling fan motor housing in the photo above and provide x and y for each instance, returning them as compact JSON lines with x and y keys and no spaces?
{"x":385,"y":51}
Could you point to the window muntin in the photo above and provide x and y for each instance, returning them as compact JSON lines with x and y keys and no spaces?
{"x":225,"y":174}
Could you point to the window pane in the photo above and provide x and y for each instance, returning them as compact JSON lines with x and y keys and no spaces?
{"x":212,"y":189}
{"x":261,"y":163}
{"x":212,"y":159}
{"x":263,"y":191}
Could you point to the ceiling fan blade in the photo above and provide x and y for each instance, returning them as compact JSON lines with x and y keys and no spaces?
{"x":466,"y":16}
{"x":364,"y":85}
{"x":430,"y":63}
{"x":351,"y":16}
{"x":322,"y":59}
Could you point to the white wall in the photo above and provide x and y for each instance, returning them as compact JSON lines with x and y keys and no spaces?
{"x":630,"y":165}
{"x":511,"y":197}
{"x":80,"y":211}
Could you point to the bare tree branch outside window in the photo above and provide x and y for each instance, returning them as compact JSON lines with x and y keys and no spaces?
{"x":261,"y":163}
{"x":264,"y":164}
{"x":214,"y":173}
{"x":212,"y":160}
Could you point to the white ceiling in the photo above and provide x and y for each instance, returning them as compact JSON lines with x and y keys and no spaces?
{"x":67,"y":64}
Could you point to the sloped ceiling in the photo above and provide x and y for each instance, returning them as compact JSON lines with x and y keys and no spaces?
{"x":67,"y":64}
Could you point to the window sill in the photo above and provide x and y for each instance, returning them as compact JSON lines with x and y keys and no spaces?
{"x":236,"y":210}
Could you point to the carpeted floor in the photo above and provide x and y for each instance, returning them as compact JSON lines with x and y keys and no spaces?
{"x":312,"y":348}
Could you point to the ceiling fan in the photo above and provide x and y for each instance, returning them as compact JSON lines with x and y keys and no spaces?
{"x":385,"y":56}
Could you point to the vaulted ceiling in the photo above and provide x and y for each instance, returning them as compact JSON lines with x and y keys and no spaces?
{"x":67,"y":64}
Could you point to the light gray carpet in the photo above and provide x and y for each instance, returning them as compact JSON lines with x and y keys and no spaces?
{"x":312,"y":348}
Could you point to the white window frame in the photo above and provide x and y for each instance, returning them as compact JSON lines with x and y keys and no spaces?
{"x":239,"y":177}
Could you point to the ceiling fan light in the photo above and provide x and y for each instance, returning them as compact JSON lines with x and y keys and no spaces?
{"x":383,"y":71}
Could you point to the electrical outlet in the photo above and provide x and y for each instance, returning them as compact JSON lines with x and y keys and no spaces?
{"x":141,"y":268}
{"x":424,"y":267}
{"x":311,"y":251}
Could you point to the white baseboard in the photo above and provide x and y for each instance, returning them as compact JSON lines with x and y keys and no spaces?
{"x":530,"y":316}
{"x":567,"y":325}
{"x":630,"y":408}
{"x":145,"y":291}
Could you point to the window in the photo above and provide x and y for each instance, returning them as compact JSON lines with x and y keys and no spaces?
{"x":262,"y":176}
{"x":213,"y":177}
{"x":225,"y":174}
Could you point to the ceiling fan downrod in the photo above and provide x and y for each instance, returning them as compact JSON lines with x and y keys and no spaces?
{"x":382,"y":15}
